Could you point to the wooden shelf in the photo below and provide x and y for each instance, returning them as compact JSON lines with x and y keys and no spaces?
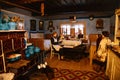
{"x":13,"y":42}
{"x":18,"y":64}
{"x":10,"y":42}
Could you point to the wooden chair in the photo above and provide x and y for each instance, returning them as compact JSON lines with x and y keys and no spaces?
{"x":92,"y":49}
{"x":54,"y":52}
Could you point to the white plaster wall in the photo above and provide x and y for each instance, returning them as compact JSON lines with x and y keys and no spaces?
{"x":90,"y":25}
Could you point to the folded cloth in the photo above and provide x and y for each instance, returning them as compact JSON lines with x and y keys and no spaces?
{"x":7,"y":76}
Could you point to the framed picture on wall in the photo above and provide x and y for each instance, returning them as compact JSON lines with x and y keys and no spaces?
{"x":99,"y":24}
{"x":50,"y":23}
{"x":41,"y":25}
{"x":50,"y":26}
{"x":32,"y":25}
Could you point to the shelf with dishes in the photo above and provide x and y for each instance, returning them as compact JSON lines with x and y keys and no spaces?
{"x":20,"y":62}
{"x":14,"y":53}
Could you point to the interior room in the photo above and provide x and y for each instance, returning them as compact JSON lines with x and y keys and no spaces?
{"x":59,"y":39}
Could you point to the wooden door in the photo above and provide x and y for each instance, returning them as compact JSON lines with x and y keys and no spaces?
{"x":72,"y":32}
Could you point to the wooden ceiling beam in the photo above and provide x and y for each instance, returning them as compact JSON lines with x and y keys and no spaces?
{"x":28,"y":1}
{"x":19,"y":6}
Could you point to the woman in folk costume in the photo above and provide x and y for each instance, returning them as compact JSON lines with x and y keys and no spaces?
{"x":99,"y":61}
{"x":102,"y":49}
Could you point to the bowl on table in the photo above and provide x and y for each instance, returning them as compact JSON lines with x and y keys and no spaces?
{"x":36,"y":49}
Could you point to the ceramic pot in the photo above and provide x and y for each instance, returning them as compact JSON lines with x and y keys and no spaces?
{"x":30,"y":49}
{"x":36,"y":49}
{"x":12,"y":25}
{"x":4,"y":26}
{"x":27,"y":55}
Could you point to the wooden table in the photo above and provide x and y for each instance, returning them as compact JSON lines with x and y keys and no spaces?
{"x":73,"y":52}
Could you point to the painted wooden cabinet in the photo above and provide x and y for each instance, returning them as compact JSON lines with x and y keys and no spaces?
{"x":113,"y":66}
{"x":10,"y":41}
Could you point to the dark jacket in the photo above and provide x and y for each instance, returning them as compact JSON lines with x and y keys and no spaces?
{"x":98,"y":41}
{"x":80,"y":36}
{"x":53,"y":41}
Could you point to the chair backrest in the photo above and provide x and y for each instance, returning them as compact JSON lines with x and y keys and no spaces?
{"x":93,"y":37}
{"x":53,"y":51}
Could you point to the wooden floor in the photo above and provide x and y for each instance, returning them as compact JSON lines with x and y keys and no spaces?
{"x":79,"y":64}
{"x":82,"y":64}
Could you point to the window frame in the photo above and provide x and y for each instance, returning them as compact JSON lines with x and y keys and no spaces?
{"x":71,"y":23}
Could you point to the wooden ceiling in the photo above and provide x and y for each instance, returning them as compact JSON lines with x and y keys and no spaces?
{"x":79,"y":8}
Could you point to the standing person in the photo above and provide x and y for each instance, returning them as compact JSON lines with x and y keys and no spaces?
{"x":102,"y":49}
{"x":101,"y":52}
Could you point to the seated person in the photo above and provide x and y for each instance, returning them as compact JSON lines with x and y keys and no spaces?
{"x":56,"y":44}
{"x":55,"y":41}
{"x":80,"y":35}
{"x":61,"y":38}
{"x":67,"y":37}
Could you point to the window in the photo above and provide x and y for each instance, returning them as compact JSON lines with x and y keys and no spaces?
{"x":65,"y":29}
{"x":72,"y":28}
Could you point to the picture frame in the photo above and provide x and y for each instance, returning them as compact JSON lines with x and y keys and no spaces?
{"x":50,"y":26}
{"x":50,"y":23}
{"x":32,"y":25}
{"x":99,"y":24}
{"x":41,"y":25}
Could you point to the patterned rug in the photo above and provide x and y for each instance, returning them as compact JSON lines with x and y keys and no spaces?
{"x":66,"y":74}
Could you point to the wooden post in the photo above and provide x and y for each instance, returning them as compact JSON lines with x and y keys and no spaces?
{"x":42,"y":9}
